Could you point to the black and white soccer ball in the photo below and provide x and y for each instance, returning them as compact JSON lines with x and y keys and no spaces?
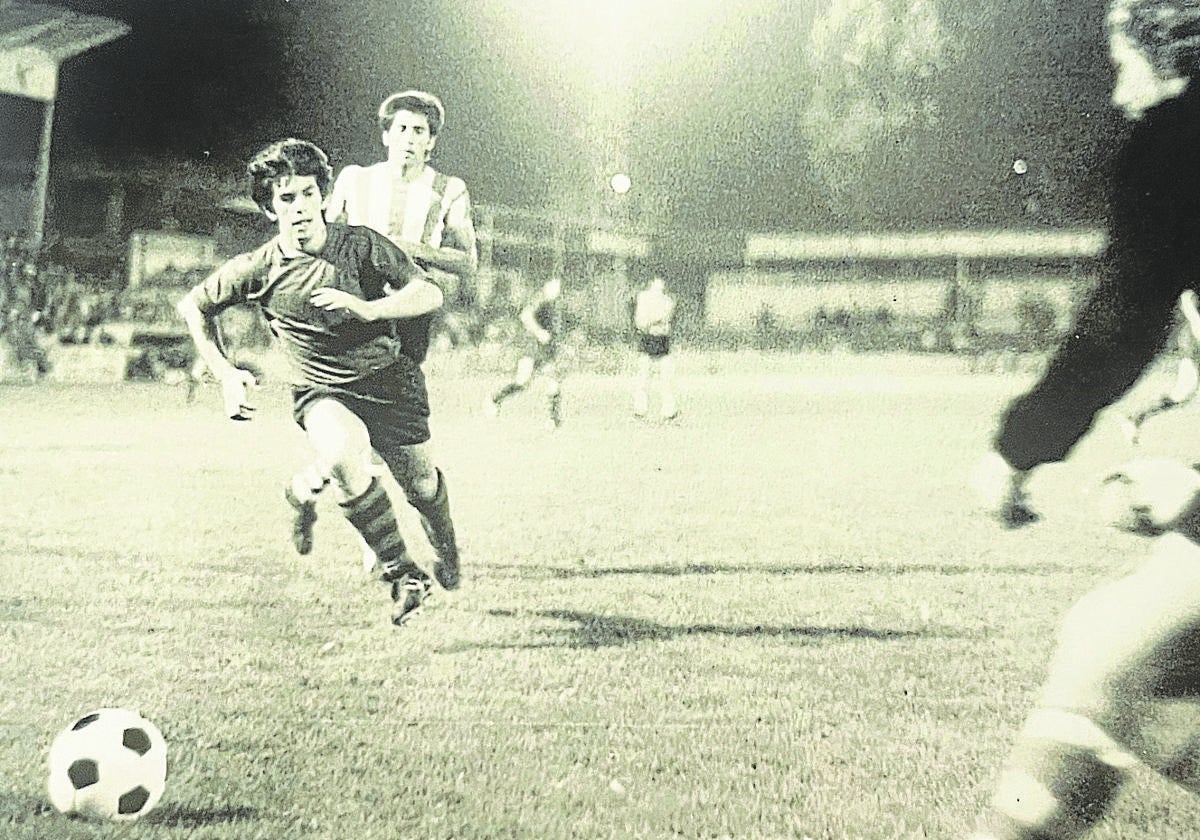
{"x":110,"y":764}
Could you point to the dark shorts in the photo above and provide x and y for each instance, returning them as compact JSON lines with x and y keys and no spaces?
{"x":392,"y":403}
{"x":654,"y":346}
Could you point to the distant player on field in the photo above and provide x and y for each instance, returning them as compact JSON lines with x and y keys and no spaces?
{"x":653,"y":311}
{"x":341,"y":302}
{"x":541,"y":319}
{"x":1152,"y":257}
{"x":428,"y":215}
{"x":1124,"y":678}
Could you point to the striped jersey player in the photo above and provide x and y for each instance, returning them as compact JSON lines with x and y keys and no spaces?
{"x":428,"y":215}
{"x":424,"y":211}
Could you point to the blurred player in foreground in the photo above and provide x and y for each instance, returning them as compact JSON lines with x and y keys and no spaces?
{"x":653,"y":310}
{"x":334,"y":296}
{"x":541,"y":318}
{"x":1187,"y":375}
{"x":428,"y":215}
{"x":1151,"y":258}
{"x":1124,"y":679}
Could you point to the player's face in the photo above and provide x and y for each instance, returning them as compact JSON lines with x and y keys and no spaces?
{"x":297,"y":204}
{"x":409,"y":140}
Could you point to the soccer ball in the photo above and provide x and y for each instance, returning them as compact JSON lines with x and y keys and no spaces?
{"x":108,"y":765}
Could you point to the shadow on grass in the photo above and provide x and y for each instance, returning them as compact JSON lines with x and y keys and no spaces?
{"x":680,"y":569}
{"x":182,"y":816}
{"x":592,"y":630}
{"x":19,"y":809}
{"x":16,"y":808}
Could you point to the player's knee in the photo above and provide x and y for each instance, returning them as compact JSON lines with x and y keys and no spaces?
{"x":1063,"y":775}
{"x":553,"y":388}
{"x":1115,"y":646}
{"x":350,"y":476}
{"x":422,"y":485}
{"x":1167,"y":739}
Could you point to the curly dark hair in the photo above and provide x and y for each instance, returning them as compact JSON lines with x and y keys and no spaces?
{"x":1166,"y":31}
{"x":286,"y":157}
{"x":417,"y":101}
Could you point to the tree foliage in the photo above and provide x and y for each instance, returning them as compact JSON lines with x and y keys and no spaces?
{"x":874,"y":70}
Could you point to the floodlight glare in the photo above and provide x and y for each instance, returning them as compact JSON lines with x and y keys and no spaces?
{"x":620,"y":183}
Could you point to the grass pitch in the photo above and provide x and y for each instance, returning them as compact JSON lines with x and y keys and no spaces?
{"x":779,"y":616}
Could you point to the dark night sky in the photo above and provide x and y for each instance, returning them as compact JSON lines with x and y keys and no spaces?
{"x":712,"y":123}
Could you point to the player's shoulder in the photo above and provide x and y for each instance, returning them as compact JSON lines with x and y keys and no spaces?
{"x":351,"y":170}
{"x":344,"y":240}
{"x":453,"y":186}
{"x":369,"y":241}
{"x":347,"y":174}
{"x":257,"y":259}
{"x":353,"y":175}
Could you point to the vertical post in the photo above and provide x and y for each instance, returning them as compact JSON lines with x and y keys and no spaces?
{"x":961,"y":278}
{"x":559,"y":257}
{"x":37,"y":213}
{"x":484,"y":276}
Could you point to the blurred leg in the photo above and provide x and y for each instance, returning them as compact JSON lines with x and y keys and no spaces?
{"x":641,"y":386}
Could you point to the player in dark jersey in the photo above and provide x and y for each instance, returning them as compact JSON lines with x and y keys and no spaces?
{"x":1124,"y":678}
{"x":1152,"y":256}
{"x":428,"y":215}
{"x":1127,"y":650}
{"x":541,"y":319}
{"x":345,"y":306}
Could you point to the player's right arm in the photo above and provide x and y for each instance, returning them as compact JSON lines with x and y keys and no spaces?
{"x":529,"y":321}
{"x":229,"y":285}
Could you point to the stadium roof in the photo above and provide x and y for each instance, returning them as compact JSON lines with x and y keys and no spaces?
{"x":35,"y":39}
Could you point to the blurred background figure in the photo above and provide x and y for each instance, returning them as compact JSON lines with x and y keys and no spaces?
{"x":22,"y":304}
{"x":653,"y":310}
{"x":542,"y":320}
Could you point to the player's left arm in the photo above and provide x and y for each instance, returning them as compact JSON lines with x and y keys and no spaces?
{"x":529,"y":321}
